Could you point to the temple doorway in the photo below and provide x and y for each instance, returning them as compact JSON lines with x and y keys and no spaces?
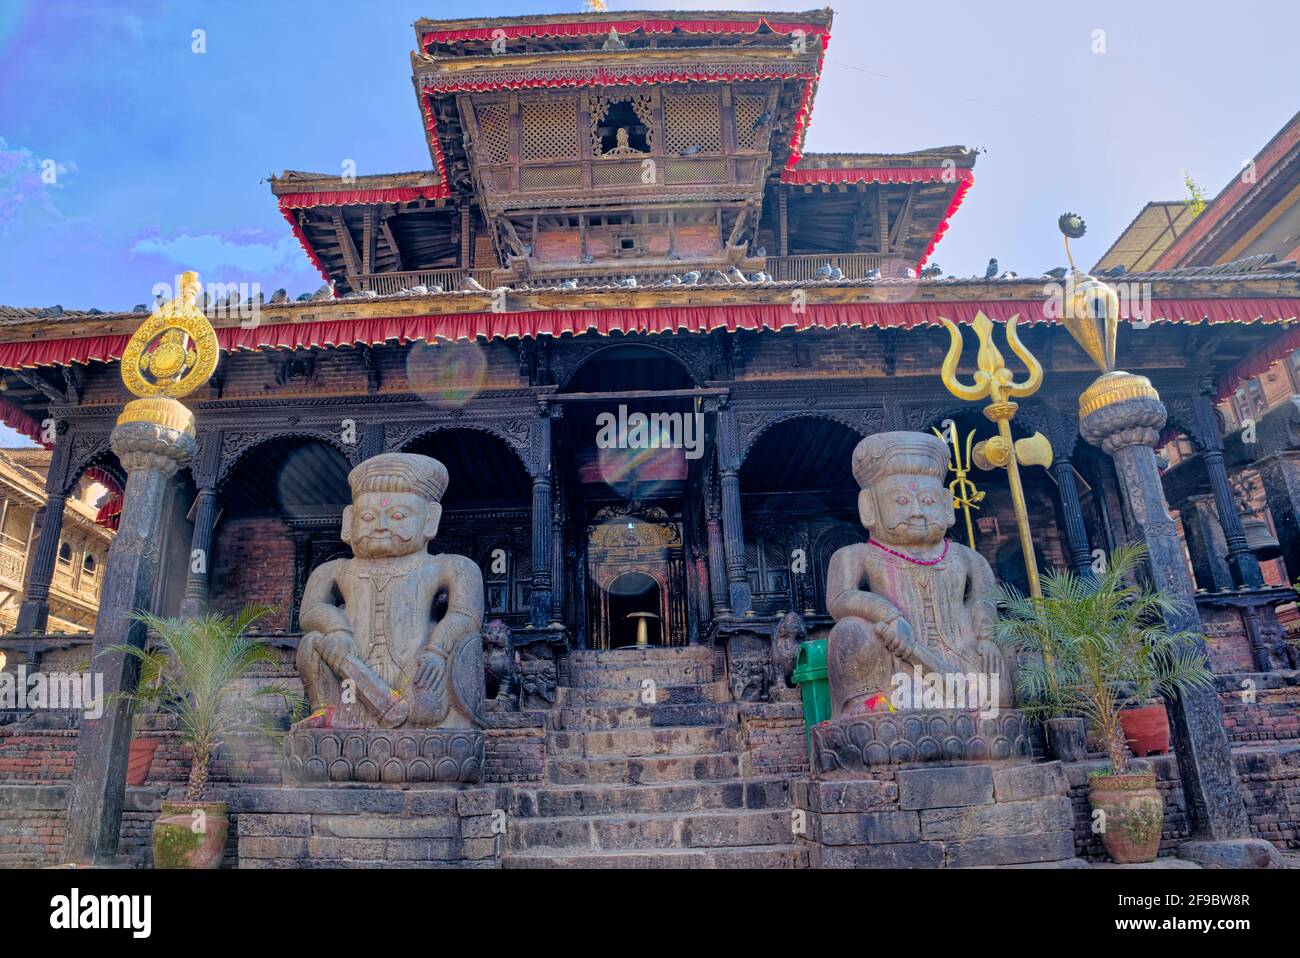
{"x":634,"y":608}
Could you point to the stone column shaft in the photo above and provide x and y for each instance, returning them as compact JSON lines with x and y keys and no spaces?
{"x":733,"y":532}
{"x":151,"y":455}
{"x":1206,"y":544}
{"x":540,"y":602}
{"x":717,"y":568}
{"x":1128,"y":429}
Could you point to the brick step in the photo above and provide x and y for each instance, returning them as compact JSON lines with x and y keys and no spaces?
{"x":715,"y":693}
{"x":637,"y":771}
{"x":597,"y":718}
{"x":634,"y":676}
{"x":636,"y":742}
{"x":707,"y":796}
{"x":762,"y":857}
{"x":664,"y":831}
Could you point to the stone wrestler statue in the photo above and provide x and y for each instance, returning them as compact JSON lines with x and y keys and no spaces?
{"x":909,"y":596}
{"x":372,"y":655}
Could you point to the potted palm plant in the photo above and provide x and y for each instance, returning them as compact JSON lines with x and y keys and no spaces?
{"x":1094,"y":642}
{"x":192,"y":666}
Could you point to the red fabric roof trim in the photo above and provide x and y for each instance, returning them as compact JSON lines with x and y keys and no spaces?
{"x":588,"y":29}
{"x":397,"y":194}
{"x":19,"y":421}
{"x":661,"y":320}
{"x":110,"y":513}
{"x":885,"y":174}
{"x":1258,"y":362}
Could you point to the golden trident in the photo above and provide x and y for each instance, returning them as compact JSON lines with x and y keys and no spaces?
{"x":965,"y":495}
{"x":995,"y":380}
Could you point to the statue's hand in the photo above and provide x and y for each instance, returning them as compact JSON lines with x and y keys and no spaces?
{"x":428,"y":669}
{"x":991,"y":658}
{"x":896,"y":634}
{"x":336,"y":647}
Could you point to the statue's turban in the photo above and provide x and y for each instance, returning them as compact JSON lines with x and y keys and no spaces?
{"x":400,"y":472}
{"x":899,"y":453}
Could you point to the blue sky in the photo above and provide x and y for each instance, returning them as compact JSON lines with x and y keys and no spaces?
{"x":158,"y":151}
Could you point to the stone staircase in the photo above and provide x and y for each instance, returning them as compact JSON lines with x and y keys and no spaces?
{"x":648,"y":776}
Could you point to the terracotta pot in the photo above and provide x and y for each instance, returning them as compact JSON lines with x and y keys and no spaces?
{"x":184,"y":838}
{"x":1133,"y":815}
{"x":1065,"y":739}
{"x":1146,"y":729}
{"x":139,"y":759}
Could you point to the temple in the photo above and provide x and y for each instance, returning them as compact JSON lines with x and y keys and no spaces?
{"x":644,"y":331}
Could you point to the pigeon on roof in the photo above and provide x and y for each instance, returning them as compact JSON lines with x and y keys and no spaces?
{"x":933,"y":271}
{"x":992,"y":271}
{"x":691,"y":278}
{"x":280,"y":296}
{"x":1058,"y":273}
{"x":471,"y":285}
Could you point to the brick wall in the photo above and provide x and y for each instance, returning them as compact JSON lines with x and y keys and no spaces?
{"x":253,"y":562}
{"x":515,"y":749}
{"x":38,"y":757}
{"x":772,"y":739}
{"x":1260,"y":707}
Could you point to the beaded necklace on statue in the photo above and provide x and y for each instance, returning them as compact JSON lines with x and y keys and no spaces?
{"x":906,"y":558}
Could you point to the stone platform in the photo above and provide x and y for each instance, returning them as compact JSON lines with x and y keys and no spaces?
{"x":370,"y":826}
{"x":848,"y":746}
{"x":940,"y":816}
{"x":393,"y":756}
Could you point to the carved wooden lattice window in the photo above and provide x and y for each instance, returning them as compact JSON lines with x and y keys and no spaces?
{"x":550,"y":129}
{"x":635,"y":113}
{"x":749,"y":112}
{"x":692,"y":124}
{"x":494,"y":131}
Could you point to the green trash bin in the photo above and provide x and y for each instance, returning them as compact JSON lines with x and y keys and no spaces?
{"x":814,"y":686}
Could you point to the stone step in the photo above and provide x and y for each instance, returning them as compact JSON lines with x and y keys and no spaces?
{"x":595,"y":718}
{"x":634,"y":676}
{"x":729,"y":829}
{"x":716,"y":693}
{"x":636,"y":742}
{"x":592,"y":800}
{"x":765,"y":857}
{"x":620,"y":657}
{"x":637,"y":771}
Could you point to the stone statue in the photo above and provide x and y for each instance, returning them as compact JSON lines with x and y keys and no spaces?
{"x":909,"y":602}
{"x":372,"y":656}
{"x":499,"y":667}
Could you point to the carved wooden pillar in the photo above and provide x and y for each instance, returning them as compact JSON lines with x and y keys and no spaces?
{"x":540,"y":604}
{"x":717,"y":555}
{"x":301,"y":569}
{"x":1076,"y":533}
{"x":34,"y":613}
{"x":200,"y":574}
{"x":733,"y":533}
{"x":1127,"y":429}
{"x":557,"y":560}
{"x":1205,"y":543}
{"x":1245,"y":569}
{"x":372,"y":440}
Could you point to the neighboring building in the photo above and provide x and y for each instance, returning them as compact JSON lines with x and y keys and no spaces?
{"x":82,"y":547}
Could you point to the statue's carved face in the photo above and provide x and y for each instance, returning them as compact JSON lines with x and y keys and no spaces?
{"x":385,"y":524}
{"x":907,"y":510}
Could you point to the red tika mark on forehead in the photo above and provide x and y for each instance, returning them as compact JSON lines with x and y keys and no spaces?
{"x":912,"y":486}
{"x":385,"y":502}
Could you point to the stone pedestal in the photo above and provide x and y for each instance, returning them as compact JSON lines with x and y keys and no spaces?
{"x":854,"y":745}
{"x":940,"y":816}
{"x":393,"y":756}
{"x":362,"y":826}
{"x":151,"y":454}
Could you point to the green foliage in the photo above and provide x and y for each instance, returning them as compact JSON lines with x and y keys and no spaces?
{"x":1092,"y":643}
{"x":191,"y":669}
{"x":1196,"y":195}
